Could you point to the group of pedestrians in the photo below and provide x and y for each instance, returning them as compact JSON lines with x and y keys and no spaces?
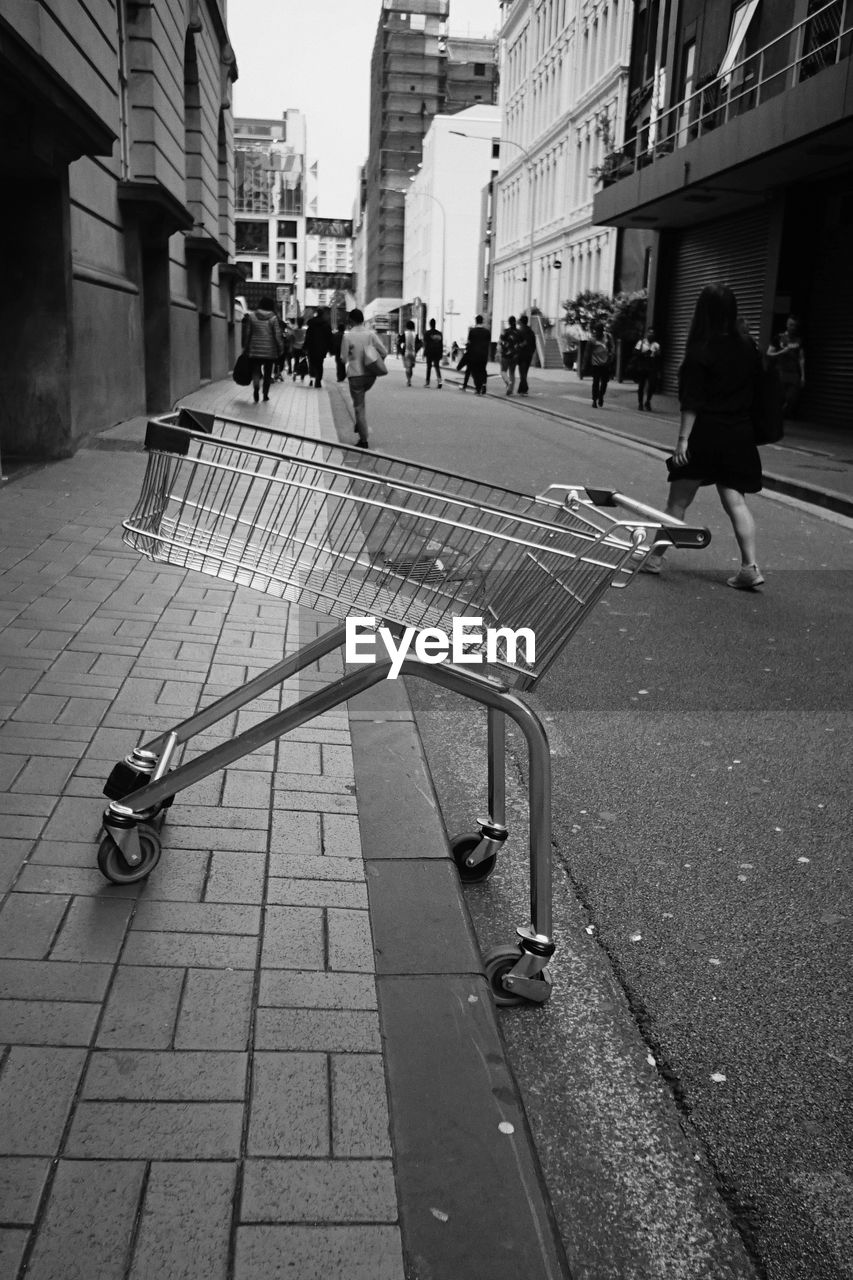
{"x":275,"y":347}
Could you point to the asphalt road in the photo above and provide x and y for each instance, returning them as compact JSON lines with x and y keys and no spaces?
{"x":688,"y":1082}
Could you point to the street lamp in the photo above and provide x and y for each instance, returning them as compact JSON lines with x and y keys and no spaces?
{"x":531,"y":187}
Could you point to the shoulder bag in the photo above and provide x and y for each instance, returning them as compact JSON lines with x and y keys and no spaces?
{"x":374,"y":365}
{"x":242,"y":373}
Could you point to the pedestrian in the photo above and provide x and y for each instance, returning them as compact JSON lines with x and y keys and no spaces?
{"x":786,"y":353}
{"x":299,"y":362}
{"x":646,"y":364}
{"x":433,"y":351}
{"x":526,"y":352}
{"x":283,"y":363}
{"x":263,"y":343}
{"x":717,"y":384}
{"x":318,"y":343}
{"x":409,"y":350}
{"x":599,"y":359}
{"x":463,"y":364}
{"x":353,"y":345}
{"x":509,"y":354}
{"x":477,"y":354}
{"x":337,"y":338}
{"x":454,"y":351}
{"x":401,"y":345}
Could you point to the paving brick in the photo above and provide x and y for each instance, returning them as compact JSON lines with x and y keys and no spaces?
{"x":128,"y":1075}
{"x":37,"y":1088}
{"x":142,"y":1008}
{"x":220,"y":817}
{"x":43,"y":776}
{"x":83,"y":711}
{"x":184,"y":1232}
{"x":70,"y":880}
{"x":246,"y":789}
{"x":216,"y":1010}
{"x":155,"y":1131}
{"x":37,"y":709}
{"x":184,"y":837}
{"x":191,"y":950}
{"x":13,"y":1242}
{"x":337,"y":760}
{"x":28,"y":923}
{"x":289,"y":1105}
{"x":22,"y":802}
{"x":180,"y":876}
{"x":350,"y":945}
{"x":318,"y":1191}
{"x":316,"y":868}
{"x":299,"y":757}
{"x":344,"y":1030}
{"x":75,"y":819}
{"x":309,"y":893}
{"x":236,"y":877}
{"x":89,"y":1221}
{"x":359,"y":1106}
{"x":281,"y":988}
{"x":341,"y":836}
{"x":296,"y":834}
{"x":53,"y":980}
{"x":12,"y":856}
{"x":309,"y":801}
{"x":316,"y":1253}
{"x":66,"y":853}
{"x":21,"y":1184}
{"x":93,"y":929}
{"x":46,"y":1022}
{"x":294,"y":938}
{"x":197,"y":917}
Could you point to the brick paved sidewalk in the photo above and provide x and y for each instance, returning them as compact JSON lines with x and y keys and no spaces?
{"x":192,"y":1083}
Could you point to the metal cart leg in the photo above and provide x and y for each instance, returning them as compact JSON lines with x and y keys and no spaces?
{"x":517,"y":973}
{"x":151,"y":760}
{"x":476,"y":853}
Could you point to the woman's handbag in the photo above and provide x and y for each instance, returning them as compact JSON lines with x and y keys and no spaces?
{"x":374,"y":365}
{"x":242,"y":374}
{"x":768,"y":419}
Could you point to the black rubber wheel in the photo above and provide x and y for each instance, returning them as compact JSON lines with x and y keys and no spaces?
{"x":460,"y":848}
{"x":111,"y":861}
{"x":498,"y":962}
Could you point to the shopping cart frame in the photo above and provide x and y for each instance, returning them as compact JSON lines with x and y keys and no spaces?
{"x":143,"y":786}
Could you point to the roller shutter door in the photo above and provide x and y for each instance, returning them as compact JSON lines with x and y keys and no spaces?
{"x":828,"y":398}
{"x":734,"y":252}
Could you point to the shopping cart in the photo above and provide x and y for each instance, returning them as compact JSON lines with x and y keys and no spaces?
{"x":365,"y":535}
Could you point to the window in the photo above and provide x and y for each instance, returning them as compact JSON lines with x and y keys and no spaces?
{"x":479,"y":68}
{"x":287,"y":230}
{"x":741,"y":18}
{"x":265,"y":271}
{"x":251,"y":237}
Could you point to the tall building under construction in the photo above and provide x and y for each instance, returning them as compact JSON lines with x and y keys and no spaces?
{"x":417,"y":72}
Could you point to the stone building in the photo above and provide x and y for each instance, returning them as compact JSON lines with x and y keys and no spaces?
{"x":564,"y":78}
{"x":117,"y":224}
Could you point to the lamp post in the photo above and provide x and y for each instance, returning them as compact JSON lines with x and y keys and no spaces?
{"x":531,"y":188}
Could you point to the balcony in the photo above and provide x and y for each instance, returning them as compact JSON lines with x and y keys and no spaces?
{"x":783,"y":112}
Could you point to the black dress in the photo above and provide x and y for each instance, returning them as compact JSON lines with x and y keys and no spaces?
{"x":718,"y":381}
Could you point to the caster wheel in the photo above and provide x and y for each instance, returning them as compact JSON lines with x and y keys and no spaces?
{"x":460,"y":848}
{"x":498,"y":962}
{"x":111,"y":861}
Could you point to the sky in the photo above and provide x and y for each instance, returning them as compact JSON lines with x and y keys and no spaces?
{"x":314,"y":55}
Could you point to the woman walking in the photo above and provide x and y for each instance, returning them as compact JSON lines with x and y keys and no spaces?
{"x":353,"y":346}
{"x":717,"y":385}
{"x":263,"y":342}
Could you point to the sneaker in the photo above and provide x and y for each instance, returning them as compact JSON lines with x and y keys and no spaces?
{"x":362,"y":444}
{"x":255,"y":396}
{"x":654,"y":564}
{"x":747,"y":578}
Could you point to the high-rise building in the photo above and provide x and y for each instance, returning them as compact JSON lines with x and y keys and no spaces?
{"x":271,"y":206}
{"x":417,"y":72}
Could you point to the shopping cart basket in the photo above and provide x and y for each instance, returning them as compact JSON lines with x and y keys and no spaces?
{"x":371,"y":536}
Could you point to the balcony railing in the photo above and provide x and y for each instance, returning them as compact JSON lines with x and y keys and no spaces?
{"x":821,"y":40}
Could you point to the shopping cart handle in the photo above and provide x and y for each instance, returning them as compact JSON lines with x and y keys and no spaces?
{"x":673,"y":531}
{"x":166,"y":439}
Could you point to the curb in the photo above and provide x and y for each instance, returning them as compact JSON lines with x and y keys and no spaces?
{"x":471,"y":1193}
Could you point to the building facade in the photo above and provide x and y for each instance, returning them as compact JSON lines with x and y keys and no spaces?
{"x":329,"y":257}
{"x":417,"y":72}
{"x":272,"y":201}
{"x":443,"y":266}
{"x":736,"y":159}
{"x":564,"y":78}
{"x":118,"y":294}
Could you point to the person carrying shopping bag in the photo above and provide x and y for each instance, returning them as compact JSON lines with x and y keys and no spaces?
{"x":263,"y":342}
{"x":359,"y":347}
